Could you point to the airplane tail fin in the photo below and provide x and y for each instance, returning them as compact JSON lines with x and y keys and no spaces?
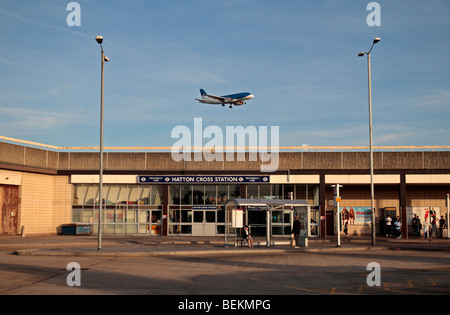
{"x":202,"y":92}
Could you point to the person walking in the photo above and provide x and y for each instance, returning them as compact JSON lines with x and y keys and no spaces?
{"x":296,"y":232}
{"x":346,"y":228}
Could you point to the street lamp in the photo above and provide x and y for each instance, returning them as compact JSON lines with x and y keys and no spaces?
{"x":361,"y":54}
{"x":99,"y":40}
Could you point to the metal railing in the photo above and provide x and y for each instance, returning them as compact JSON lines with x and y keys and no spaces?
{"x":302,"y":148}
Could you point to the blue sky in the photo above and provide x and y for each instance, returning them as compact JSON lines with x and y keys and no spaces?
{"x":299,"y":59}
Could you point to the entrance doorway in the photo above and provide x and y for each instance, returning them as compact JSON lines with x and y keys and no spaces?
{"x":9,"y":206}
{"x":204,"y":223}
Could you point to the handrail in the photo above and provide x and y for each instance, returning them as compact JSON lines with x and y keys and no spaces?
{"x":225,"y":149}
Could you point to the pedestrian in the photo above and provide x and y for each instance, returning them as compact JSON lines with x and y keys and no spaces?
{"x":296,"y":232}
{"x":246,"y":236}
{"x":415,"y":225}
{"x":442,"y":226}
{"x":388,"y":225}
{"x":398,"y":228}
{"x":346,"y":228}
{"x":434,"y":229}
{"x":426,"y":226}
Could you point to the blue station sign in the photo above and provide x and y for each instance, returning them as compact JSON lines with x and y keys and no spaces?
{"x":203,"y":179}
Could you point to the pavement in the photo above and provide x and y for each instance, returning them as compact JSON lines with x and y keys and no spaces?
{"x":148,"y":246}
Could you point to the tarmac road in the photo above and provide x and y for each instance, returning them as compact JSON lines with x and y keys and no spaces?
{"x":252,"y":272}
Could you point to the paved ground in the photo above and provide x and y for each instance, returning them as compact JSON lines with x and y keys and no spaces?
{"x":203,"y":267}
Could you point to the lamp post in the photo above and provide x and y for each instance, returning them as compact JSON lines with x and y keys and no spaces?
{"x":99,"y":40}
{"x":361,"y":54}
{"x":337,"y":197}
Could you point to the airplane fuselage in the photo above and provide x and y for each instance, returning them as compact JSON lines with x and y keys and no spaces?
{"x":237,"y":99}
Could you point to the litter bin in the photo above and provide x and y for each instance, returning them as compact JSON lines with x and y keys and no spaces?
{"x":76,"y":229}
{"x":83,"y":230}
{"x":69,"y":229}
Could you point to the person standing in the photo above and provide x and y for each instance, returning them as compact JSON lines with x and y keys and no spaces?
{"x":398,"y":228}
{"x":426,"y":226}
{"x":442,"y":226}
{"x":296,"y":232}
{"x":388,"y":225}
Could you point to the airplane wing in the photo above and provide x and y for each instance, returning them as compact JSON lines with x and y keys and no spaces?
{"x":220,"y":98}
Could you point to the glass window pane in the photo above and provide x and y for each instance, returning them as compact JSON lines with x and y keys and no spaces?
{"x":186,"y":216}
{"x":264,"y":192}
{"x":277,"y":216}
{"x":235,"y":191}
{"x":156,"y":195}
{"x":186,"y":194}
{"x":79,"y":194}
{"x":134,"y":195}
{"x":131,"y":216}
{"x":198,"y":216}
{"x":111,"y":193}
{"x":175,"y":195}
{"x":222,"y":194}
{"x":156,"y":216}
{"x":198,"y":192}
{"x":210,"y":216}
{"x":76,"y":215}
{"x":210,"y":194}
{"x":122,"y":196}
{"x":252,"y":191}
{"x":277,"y":191}
{"x":144,"y":197}
{"x":143,"y":216}
{"x":186,"y":229}
{"x":175,"y":215}
{"x":91,"y":196}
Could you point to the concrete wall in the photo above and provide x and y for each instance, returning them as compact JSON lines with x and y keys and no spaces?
{"x":33,"y":157}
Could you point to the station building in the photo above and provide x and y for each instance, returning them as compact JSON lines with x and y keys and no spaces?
{"x":147,"y":193}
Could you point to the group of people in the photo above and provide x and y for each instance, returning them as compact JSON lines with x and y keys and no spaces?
{"x":391,"y":227}
{"x":437,"y":226}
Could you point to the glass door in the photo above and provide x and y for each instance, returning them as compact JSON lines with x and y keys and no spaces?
{"x":204,"y":223}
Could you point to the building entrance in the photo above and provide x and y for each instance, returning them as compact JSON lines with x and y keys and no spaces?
{"x":9,"y":206}
{"x":204,"y":223}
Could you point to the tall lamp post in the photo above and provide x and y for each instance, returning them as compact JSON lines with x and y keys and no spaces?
{"x":361,"y":54}
{"x":99,"y":40}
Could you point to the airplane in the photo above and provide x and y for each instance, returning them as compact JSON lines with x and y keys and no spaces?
{"x":232,"y":99}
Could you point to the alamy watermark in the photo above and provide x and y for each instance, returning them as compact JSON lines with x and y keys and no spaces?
{"x":374,"y":278}
{"x":374,"y":17}
{"x":229,"y":146}
{"x":74,"y":17}
{"x":74,"y":277}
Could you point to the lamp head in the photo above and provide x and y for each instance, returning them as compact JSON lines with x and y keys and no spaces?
{"x":362,"y":53}
{"x":376,"y":40}
{"x":99,"y":39}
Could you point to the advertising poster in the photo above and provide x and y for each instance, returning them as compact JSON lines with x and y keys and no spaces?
{"x":423,"y":213}
{"x":356,"y":215}
{"x":237,"y":219}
